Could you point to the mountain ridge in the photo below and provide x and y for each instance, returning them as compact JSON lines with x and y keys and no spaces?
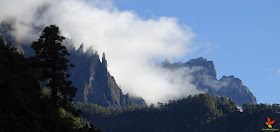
{"x":94,"y":82}
{"x":88,"y":62}
{"x":206,"y":79}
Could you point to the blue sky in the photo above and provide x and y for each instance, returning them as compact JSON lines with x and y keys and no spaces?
{"x":241,"y":37}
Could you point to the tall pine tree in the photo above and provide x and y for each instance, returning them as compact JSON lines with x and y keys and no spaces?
{"x":52,"y":63}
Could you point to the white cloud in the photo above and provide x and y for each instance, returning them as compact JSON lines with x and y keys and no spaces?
{"x":130,"y":42}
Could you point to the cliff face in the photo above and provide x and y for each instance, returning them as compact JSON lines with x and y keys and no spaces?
{"x":236,"y":90}
{"x":204,"y":77}
{"x":94,"y":82}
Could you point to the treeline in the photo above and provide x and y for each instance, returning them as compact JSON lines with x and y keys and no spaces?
{"x":198,"y":113}
{"x":35,"y":92}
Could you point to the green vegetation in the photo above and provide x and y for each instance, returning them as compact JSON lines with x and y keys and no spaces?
{"x":29,"y":105}
{"x":201,"y":112}
{"x":52,"y":66}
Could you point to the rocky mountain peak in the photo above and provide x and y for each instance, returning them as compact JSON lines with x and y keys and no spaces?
{"x":231,"y":79}
{"x":205,"y":79}
{"x":95,"y":84}
{"x":235,"y":89}
{"x":104,"y":61}
{"x":202,"y":62}
{"x":81,"y":49}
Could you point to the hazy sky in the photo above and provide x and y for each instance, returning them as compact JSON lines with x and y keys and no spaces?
{"x":241,"y":37}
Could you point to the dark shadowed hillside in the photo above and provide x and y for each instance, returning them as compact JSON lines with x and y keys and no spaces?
{"x":26,"y":106}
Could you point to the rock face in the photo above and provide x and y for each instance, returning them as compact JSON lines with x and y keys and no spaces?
{"x":94,"y":82}
{"x":204,"y":77}
{"x":236,"y":90}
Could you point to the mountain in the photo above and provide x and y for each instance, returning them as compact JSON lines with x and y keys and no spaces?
{"x":90,"y":75}
{"x":205,"y":78}
{"x":94,"y":82}
{"x":96,"y":85}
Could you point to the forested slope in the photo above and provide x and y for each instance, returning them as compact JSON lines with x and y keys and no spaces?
{"x":203,"y":112}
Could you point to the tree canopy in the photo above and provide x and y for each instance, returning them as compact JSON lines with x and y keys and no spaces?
{"x":198,"y":113}
{"x":52,"y":63}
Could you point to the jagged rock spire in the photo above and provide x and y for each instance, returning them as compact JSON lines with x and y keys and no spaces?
{"x":104,"y":61}
{"x":95,"y":84}
{"x":81,"y":49}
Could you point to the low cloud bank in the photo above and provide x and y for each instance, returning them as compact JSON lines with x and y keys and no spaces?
{"x":130,"y":42}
